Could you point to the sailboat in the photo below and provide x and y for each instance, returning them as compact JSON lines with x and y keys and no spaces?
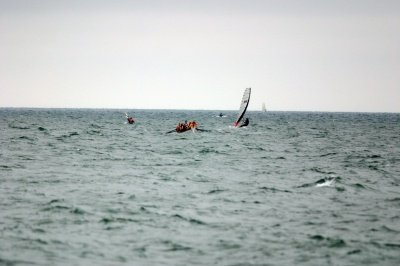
{"x":243,"y":106}
{"x":263,"y":107}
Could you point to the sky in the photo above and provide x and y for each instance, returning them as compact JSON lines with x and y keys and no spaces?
{"x":300,"y":55}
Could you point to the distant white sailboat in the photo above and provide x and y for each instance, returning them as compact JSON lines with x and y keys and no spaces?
{"x":263,"y":107}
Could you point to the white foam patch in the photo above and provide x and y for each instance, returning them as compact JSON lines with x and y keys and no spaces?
{"x":327,"y":183}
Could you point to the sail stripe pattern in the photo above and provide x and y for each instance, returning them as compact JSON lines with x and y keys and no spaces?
{"x":243,"y":106}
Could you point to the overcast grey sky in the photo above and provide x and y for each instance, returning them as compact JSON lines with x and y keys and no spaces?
{"x":296,"y":55}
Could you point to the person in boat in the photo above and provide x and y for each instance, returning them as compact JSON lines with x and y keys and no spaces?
{"x":131,"y":120}
{"x":185,"y":125}
{"x":193,"y":124}
{"x":181,"y":127}
{"x":245,"y":122}
{"x":221,"y":114}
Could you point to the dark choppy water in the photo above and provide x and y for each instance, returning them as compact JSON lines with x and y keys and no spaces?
{"x":81,"y":187}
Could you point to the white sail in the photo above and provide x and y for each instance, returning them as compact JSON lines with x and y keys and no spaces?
{"x":243,"y":106}
{"x":263,"y":107}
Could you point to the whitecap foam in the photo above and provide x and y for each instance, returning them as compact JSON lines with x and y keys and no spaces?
{"x":328,"y":182}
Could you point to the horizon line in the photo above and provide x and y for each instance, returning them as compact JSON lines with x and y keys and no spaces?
{"x":183,"y":109}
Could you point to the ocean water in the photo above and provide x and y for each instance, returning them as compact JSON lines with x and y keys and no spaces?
{"x":82,"y":187}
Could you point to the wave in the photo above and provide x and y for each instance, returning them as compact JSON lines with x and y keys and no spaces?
{"x":8,"y":262}
{"x":94,"y":132}
{"x":78,"y":211}
{"x":321,"y":171}
{"x":55,"y":200}
{"x":371,"y":161}
{"x":12,"y":125}
{"x":26,"y":138}
{"x":95,"y":126}
{"x":256,"y":148}
{"x":190,"y":220}
{"x":272,"y":189}
{"x":323,"y":182}
{"x":174,"y":246}
{"x":359,"y":186}
{"x":107,"y":220}
{"x":6,"y":167}
{"x":356,"y":251}
{"x":224,"y":244}
{"x":328,"y":154}
{"x":209,"y":150}
{"x":329,"y":242}
{"x":66,"y":136}
{"x":73,"y":134}
{"x":55,"y":208}
{"x":57,"y":205}
{"x":394,"y":199}
{"x":385,"y":229}
{"x":214,"y":191}
{"x":392,"y":245}
{"x":35,"y":240}
{"x":25,"y":158}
